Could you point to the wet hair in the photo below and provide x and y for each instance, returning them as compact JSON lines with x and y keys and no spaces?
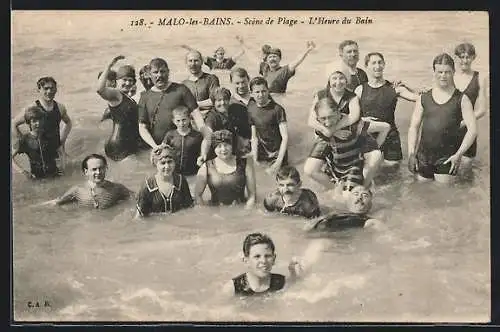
{"x":254,"y":239}
{"x":93,"y":156}
{"x":345,"y":43}
{"x":180,"y":110}
{"x":258,"y":81}
{"x":369,"y":55}
{"x":33,"y":112}
{"x":46,"y":79}
{"x":288,"y":172}
{"x":158,"y":62}
{"x":220,"y":93}
{"x":195,"y":52}
{"x":465,"y":48}
{"x":443,"y":59}
{"x":238,"y":71}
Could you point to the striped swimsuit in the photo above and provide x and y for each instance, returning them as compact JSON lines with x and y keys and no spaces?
{"x":99,"y":197}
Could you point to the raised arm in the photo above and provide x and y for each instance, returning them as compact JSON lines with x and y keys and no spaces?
{"x":238,"y":55}
{"x":294,"y":64}
{"x":253,"y":57}
{"x":109,"y":94}
{"x":250,"y":183}
{"x":189,"y":49}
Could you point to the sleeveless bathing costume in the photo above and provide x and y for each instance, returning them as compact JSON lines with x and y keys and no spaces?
{"x":51,"y":126}
{"x":124,"y":137}
{"x":440,"y":131}
{"x":472,"y":91}
{"x":242,"y":288}
{"x":227,"y":188}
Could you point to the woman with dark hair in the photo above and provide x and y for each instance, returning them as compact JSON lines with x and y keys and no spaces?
{"x":437,"y":116}
{"x":472,"y":84}
{"x":227,"y":176}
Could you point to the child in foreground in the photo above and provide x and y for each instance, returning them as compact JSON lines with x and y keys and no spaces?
{"x":260,"y":256}
{"x":290,"y":198}
{"x":41,"y":154}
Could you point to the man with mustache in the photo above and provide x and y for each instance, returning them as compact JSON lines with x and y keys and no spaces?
{"x":55,"y":112}
{"x":200,"y":84}
{"x":156,"y":105}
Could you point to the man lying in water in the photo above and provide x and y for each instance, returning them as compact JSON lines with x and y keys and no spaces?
{"x":358,"y":202}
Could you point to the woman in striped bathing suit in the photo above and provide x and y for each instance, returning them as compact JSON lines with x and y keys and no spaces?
{"x":97,"y":192}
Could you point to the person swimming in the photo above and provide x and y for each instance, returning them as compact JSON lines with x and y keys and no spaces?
{"x":96,"y":192}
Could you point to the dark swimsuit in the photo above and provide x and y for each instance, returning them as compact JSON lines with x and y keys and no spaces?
{"x":227,"y":188}
{"x":472,"y":91}
{"x":241,"y":286}
{"x":51,"y":127}
{"x":124,"y":137}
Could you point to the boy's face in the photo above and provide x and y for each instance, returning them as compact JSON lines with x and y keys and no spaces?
{"x":360,"y":200}
{"x":260,"y":93}
{"x":95,"y":171}
{"x":181,"y":121}
{"x":328,"y":117}
{"x":288,"y":186}
{"x":260,"y":260}
{"x":48,"y":91}
{"x":221,"y":105}
{"x":240,"y":84}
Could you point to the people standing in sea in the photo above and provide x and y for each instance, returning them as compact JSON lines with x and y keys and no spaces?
{"x":263,"y":66}
{"x":165,"y":192}
{"x":156,"y":105}
{"x":41,"y":154}
{"x":269,"y":142}
{"x":227,"y":176}
{"x":200,"y":84}
{"x":474,"y":85}
{"x":55,"y":113}
{"x":122,"y":110}
{"x":347,"y":103}
{"x":378,"y":99}
{"x":290,"y":198}
{"x":219,"y":60}
{"x":145,"y":77}
{"x":276,"y":75}
{"x":96,"y":192}
{"x":438,"y":114}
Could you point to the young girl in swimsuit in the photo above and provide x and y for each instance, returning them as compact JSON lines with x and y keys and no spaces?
{"x":227,"y":176}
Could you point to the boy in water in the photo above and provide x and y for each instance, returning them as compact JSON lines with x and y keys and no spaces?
{"x":259,"y":255}
{"x":97,"y":192}
{"x":290,"y":198}
{"x":186,"y":141}
{"x":41,"y":154}
{"x":269,"y":128}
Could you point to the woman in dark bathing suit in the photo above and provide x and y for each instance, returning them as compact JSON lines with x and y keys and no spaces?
{"x":122,"y":109}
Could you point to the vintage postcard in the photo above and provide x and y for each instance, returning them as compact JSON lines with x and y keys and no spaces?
{"x":251,"y":166}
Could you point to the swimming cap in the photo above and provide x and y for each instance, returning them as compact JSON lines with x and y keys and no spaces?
{"x":125,"y":71}
{"x":222,"y":136}
{"x":165,"y":151}
{"x":336,"y":67}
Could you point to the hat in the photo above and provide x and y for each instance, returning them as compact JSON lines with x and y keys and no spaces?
{"x":165,"y":151}
{"x":125,"y":71}
{"x":222,"y":136}
{"x":335,"y":67}
{"x":274,"y":50}
{"x":111,"y":75}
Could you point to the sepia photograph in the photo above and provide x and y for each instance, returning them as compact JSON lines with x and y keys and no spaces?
{"x":250,"y":166}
